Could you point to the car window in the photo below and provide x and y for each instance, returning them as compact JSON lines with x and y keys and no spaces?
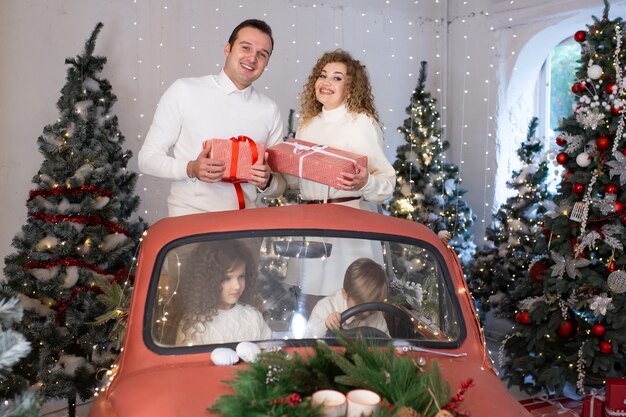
{"x":295,"y":288}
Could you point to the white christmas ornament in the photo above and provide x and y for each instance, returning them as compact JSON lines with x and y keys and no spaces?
{"x":583,"y":160}
{"x":445,"y":236}
{"x":224,"y":357}
{"x":617,"y":282}
{"x":248,"y":351}
{"x":594,"y":72}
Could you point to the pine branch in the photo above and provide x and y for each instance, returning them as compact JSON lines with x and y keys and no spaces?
{"x":91,"y":42}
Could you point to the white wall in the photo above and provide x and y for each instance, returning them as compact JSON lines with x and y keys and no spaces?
{"x":390,"y":36}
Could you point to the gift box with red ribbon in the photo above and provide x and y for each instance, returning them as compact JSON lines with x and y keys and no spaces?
{"x":551,"y":406}
{"x":239,"y":154}
{"x":319,"y":163}
{"x":593,"y":406}
{"x":615,"y":405}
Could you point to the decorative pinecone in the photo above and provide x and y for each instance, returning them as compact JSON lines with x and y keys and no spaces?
{"x":407,"y":412}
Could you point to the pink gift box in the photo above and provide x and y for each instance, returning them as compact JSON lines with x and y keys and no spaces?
{"x":313,"y":162}
{"x":615,"y":404}
{"x":552,"y":406}
{"x":238,"y":154}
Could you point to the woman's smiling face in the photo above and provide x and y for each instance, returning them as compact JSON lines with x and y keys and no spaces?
{"x":331,"y":87}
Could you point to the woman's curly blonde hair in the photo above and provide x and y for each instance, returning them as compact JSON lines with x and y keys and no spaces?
{"x":359,"y":97}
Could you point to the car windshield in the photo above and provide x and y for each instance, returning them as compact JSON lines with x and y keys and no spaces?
{"x":211,"y":290}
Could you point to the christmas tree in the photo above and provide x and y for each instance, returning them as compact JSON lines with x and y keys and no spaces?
{"x":508,"y":251}
{"x":571,"y":328}
{"x":427,"y":186}
{"x":77,"y":233}
{"x":13,"y":347}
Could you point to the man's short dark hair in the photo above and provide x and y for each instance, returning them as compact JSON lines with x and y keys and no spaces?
{"x":253,"y":23}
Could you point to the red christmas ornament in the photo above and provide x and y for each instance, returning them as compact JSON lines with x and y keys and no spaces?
{"x":623,"y":220}
{"x":562,"y":158}
{"x":624,"y":151}
{"x":580,"y":36}
{"x":567,"y":329}
{"x":576,"y":88}
{"x":522,"y":317}
{"x":537,"y":271}
{"x":610,"y":189}
{"x":609,"y":88}
{"x":560,"y":140}
{"x":616,"y":110}
{"x":606,"y":347}
{"x":578,"y":187}
{"x":619,"y":206}
{"x":598,"y":329}
{"x":603,"y":143}
{"x":611,"y":266}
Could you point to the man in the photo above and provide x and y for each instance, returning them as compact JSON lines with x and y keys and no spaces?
{"x":221,"y":106}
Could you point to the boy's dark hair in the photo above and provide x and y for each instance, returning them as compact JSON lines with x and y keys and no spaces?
{"x":365,"y":281}
{"x":254,"y":23}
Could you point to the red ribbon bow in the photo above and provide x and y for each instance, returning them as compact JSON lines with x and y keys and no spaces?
{"x":232,"y":174}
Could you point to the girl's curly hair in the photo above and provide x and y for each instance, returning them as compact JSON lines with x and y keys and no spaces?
{"x":359,"y":97}
{"x":200,"y":290}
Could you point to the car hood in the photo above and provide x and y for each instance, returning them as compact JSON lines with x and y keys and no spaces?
{"x":189,"y":389}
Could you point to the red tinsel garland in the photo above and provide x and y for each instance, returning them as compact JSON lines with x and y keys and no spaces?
{"x":455,"y":401}
{"x":59,"y":190}
{"x":91,"y":219}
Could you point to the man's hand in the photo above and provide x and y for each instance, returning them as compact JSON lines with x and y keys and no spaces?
{"x":260,"y":174}
{"x":332,"y":321}
{"x":206,"y":169}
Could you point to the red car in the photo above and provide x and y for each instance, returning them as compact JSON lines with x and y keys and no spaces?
{"x":263,"y":275}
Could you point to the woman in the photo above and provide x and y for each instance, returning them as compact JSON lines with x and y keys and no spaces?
{"x":338,"y":110}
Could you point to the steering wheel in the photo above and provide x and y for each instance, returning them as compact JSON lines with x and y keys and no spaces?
{"x":371,"y":332}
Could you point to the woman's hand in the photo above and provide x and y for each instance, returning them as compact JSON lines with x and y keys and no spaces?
{"x":353,"y":182}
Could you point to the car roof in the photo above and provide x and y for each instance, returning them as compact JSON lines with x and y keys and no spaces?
{"x":315,"y":217}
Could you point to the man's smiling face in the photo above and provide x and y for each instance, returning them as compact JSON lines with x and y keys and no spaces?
{"x":247,"y":57}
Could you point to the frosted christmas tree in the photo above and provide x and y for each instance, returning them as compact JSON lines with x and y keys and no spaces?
{"x":78,"y":232}
{"x":510,"y":240}
{"x":13,"y":348}
{"x":571,"y":320}
{"x":427,"y":188}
